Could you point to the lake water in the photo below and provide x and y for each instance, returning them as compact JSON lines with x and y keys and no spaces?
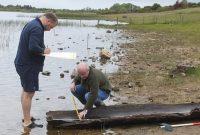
{"x":72,"y":36}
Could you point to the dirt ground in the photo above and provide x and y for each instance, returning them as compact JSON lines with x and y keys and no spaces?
{"x":144,"y":75}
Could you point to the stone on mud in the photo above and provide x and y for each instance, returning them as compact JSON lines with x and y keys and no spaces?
{"x":46,"y":73}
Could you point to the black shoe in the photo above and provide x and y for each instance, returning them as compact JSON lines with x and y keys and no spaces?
{"x":99,"y":103}
{"x":32,"y":119}
{"x":33,"y":125}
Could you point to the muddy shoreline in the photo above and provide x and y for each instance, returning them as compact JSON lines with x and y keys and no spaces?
{"x":144,"y":76}
{"x":145,"y":66}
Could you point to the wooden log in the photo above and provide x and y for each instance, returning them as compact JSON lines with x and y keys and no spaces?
{"x":125,"y":114}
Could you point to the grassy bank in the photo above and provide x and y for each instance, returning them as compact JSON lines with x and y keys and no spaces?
{"x":167,"y":17}
{"x":186,"y":31}
{"x":161,"y":45}
{"x":184,"y":23}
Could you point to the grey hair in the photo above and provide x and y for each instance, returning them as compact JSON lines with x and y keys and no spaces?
{"x":52,"y":17}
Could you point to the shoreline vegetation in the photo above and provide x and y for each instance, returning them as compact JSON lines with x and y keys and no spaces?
{"x":124,"y":9}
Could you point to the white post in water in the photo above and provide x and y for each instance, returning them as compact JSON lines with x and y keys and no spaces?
{"x":87,"y":41}
{"x":80,"y":22}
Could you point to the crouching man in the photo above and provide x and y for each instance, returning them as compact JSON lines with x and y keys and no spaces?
{"x":90,"y":86}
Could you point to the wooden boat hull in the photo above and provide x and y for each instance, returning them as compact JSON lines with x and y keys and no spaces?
{"x":125,"y":114}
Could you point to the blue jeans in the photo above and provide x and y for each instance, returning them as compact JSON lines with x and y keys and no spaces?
{"x":83,"y":95}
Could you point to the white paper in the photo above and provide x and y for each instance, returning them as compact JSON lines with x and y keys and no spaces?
{"x":62,"y":55}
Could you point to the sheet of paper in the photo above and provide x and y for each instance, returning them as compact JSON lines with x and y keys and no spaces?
{"x":62,"y":55}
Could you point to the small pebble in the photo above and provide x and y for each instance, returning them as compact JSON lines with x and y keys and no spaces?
{"x":62,"y":75}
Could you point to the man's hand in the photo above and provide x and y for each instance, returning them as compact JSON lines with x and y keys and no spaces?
{"x":47,"y":51}
{"x":82,"y":114}
{"x":72,"y":87}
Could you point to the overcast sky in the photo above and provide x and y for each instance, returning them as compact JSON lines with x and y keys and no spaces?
{"x":80,"y":4}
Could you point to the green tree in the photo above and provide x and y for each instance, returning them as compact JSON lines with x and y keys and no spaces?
{"x":115,"y":7}
{"x":156,"y":6}
{"x":123,"y":8}
{"x":184,"y":3}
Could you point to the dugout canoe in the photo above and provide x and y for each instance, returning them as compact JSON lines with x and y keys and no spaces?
{"x":125,"y":114}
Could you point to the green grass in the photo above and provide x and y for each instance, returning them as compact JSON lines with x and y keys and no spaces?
{"x":183,"y":25}
{"x":185,"y":22}
{"x":193,"y":72}
{"x":167,"y":17}
{"x":192,"y":76}
{"x":189,"y":32}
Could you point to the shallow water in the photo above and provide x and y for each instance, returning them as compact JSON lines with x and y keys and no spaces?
{"x":73,"y":36}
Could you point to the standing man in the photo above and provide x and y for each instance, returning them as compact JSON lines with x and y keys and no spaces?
{"x":29,"y":60}
{"x":90,"y":86}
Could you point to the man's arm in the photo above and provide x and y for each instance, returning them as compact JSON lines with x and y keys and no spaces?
{"x":35,"y":40}
{"x":94,"y":94}
{"x":75,"y":82}
{"x":91,"y":100}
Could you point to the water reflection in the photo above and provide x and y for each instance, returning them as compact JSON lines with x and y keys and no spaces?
{"x":26,"y":131}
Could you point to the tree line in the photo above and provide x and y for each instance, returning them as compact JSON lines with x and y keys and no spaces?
{"x":115,"y":9}
{"x":130,"y":8}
